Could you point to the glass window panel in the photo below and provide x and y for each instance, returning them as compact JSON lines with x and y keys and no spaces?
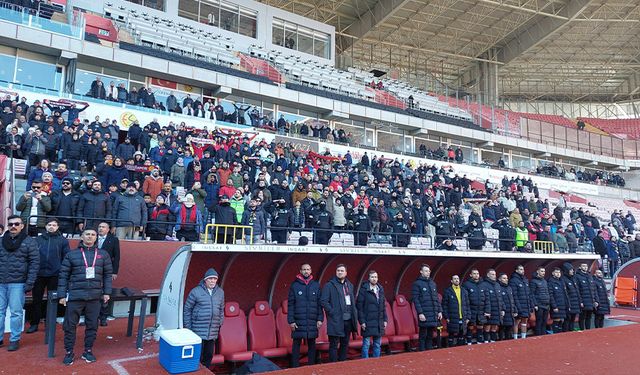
{"x":229,"y":17}
{"x":188,"y":9}
{"x":210,"y":13}
{"x":277,"y":32}
{"x":7,"y":65}
{"x":290,"y":36}
{"x":391,"y":142}
{"x":305,"y":40}
{"x":36,"y":73}
{"x":321,"y":45}
{"x":85,"y":78}
{"x":248,"y":22}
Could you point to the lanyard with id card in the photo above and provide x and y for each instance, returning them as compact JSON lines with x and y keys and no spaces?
{"x":347,"y":296}
{"x":90,"y":272}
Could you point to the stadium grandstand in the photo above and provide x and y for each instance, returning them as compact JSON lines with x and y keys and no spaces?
{"x":259,"y":142}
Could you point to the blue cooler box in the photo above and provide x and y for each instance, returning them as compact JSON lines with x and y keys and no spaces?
{"x":180,"y":350}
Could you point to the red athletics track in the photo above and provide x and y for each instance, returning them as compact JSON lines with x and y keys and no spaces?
{"x":611,"y":351}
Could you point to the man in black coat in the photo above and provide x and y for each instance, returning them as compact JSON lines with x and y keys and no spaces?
{"x":490,"y":284}
{"x":573,"y":296}
{"x":19,"y":265}
{"x":281,"y":217}
{"x":65,"y":203}
{"x":523,"y":303}
{"x":456,"y":310}
{"x":541,"y":300}
{"x":401,"y":232}
{"x":94,"y":204}
{"x":304,"y":314}
{"x":52,"y":247}
{"x":323,"y":224}
{"x":424,"y":294}
{"x":478,"y":305}
{"x":85,"y":279}
{"x":338,"y":302}
{"x":559,"y":300}
{"x":226,"y":215}
{"x":588,"y":298}
{"x":361,"y":227}
{"x":603,"y":300}
{"x":372,"y":314}
{"x":510,"y":313}
{"x":111,"y":244}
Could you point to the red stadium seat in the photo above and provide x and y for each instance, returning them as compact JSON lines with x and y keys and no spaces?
{"x":391,"y":332}
{"x":262,"y":331}
{"x":233,"y":334}
{"x":284,"y":331}
{"x":402,"y":320}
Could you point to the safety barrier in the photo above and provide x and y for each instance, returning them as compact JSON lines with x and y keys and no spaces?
{"x":543,"y":247}
{"x":226,"y":228}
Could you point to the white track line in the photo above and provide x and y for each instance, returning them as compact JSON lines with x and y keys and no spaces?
{"x":120,"y":370}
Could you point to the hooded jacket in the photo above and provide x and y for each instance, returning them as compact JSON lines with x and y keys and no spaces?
{"x":53,"y":247}
{"x":573,"y":291}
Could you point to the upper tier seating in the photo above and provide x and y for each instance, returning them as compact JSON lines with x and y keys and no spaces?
{"x":622,"y":128}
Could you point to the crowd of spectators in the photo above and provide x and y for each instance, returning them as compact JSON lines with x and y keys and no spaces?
{"x":168,"y":181}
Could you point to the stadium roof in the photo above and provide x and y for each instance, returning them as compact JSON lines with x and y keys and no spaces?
{"x":569,"y":50}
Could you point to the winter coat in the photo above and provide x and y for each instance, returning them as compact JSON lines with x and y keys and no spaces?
{"x":52,"y":248}
{"x":559,"y":299}
{"x":177,"y":174}
{"x":333,"y":302}
{"x":125,"y":151}
{"x":199,"y":223}
{"x":495,"y":300}
{"x":424,"y":295}
{"x":573,"y":292}
{"x":129,"y":210}
{"x":476,"y":236}
{"x":152,"y":186}
{"x":256,"y":219}
{"x":521,"y":295}
{"x":603,"y":297}
{"x":479,"y":303}
{"x":509,"y":304}
{"x":371,"y":310}
{"x":204,"y":313}
{"x":20,"y":265}
{"x":304,"y":307}
{"x":451,"y":309}
{"x":114,"y":175}
{"x":94,"y":204}
{"x":540,"y":293}
{"x":157,"y":221}
{"x":73,"y":279}
{"x":587,"y":288}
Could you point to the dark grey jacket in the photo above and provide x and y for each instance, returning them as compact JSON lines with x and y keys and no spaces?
{"x":204,"y":313}
{"x":73,"y":279}
{"x":20,"y":265}
{"x":129,"y":208}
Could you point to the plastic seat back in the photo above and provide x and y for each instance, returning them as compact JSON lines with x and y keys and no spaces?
{"x":282,"y":326}
{"x":626,"y":291}
{"x":402,"y":316}
{"x":233,"y":333}
{"x":391,"y":325}
{"x":262,"y":327}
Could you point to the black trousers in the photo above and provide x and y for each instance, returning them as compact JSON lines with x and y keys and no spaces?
{"x":189,"y":235}
{"x":541,"y":321}
{"x":584,"y":321}
{"x":569,"y":323}
{"x":425,"y":338}
{"x":295,"y":352}
{"x":280,"y":236}
{"x":207,"y":352}
{"x":361,"y":239}
{"x":340,"y":354}
{"x":90,"y":310}
{"x":106,"y":309}
{"x":42,"y":282}
{"x":598,"y":321}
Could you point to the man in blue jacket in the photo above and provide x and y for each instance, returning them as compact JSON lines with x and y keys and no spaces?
{"x":304,"y":314}
{"x":53,"y":248}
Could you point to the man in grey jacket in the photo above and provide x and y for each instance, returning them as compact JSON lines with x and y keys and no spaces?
{"x":130,"y":214}
{"x":204,"y":313}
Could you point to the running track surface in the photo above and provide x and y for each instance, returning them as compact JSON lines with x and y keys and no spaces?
{"x":603,"y":351}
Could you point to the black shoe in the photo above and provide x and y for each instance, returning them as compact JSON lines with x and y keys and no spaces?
{"x":33,"y":328}
{"x":1,"y":343}
{"x":103,"y":323}
{"x":68,"y":359}
{"x":88,"y":356}
{"x":13,"y":346}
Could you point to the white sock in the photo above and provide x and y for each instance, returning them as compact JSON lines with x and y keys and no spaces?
{"x":515,"y":336}
{"x":523,"y":335}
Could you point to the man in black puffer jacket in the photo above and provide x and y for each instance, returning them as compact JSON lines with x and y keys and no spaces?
{"x":304,"y":314}
{"x":573,"y":295}
{"x":372,"y":314}
{"x":53,"y":247}
{"x":479,"y":305}
{"x":603,"y":300}
{"x":84,"y":281}
{"x":588,"y":298}
{"x":94,"y":203}
{"x":490,"y":284}
{"x":523,"y":303}
{"x":424,"y":295}
{"x":19,"y":264}
{"x":455,"y":309}
{"x":541,"y":300}
{"x":559,"y":300}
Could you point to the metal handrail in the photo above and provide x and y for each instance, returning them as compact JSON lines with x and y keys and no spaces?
{"x":226,"y":227}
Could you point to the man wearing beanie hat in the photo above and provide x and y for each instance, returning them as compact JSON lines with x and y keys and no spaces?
{"x":189,"y":220}
{"x":204,"y":313}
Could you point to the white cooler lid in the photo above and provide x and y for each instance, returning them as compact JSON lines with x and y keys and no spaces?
{"x":180,"y":337}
